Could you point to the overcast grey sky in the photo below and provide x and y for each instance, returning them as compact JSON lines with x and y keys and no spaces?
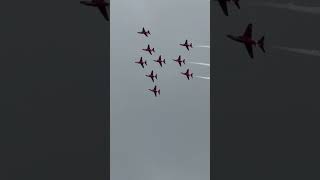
{"x":165,"y":137}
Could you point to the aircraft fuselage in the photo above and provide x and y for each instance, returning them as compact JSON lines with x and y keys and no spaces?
{"x":149,"y":50}
{"x":185,"y":45}
{"x":242,"y":39}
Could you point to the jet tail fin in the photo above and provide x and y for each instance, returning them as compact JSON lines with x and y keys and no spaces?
{"x":148,"y":32}
{"x":153,"y":49}
{"x":236,"y":2}
{"x":191,"y":45}
{"x":164,"y":61}
{"x":156,"y":76}
{"x":145,"y":62}
{"x":191,"y":75}
{"x":261,"y":44}
{"x":159,"y":91}
{"x":184,"y":61}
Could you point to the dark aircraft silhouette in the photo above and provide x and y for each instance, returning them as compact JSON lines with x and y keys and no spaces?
{"x":155,"y":91}
{"x":149,"y":49}
{"x":187,"y":45}
{"x":180,"y":61}
{"x":152,"y":76}
{"x":100,"y":4}
{"x":246,"y":38}
{"x":160,"y":61}
{"x":141,"y":62}
{"x":187,"y":74}
{"x":144,"y":32}
{"x":223,"y":4}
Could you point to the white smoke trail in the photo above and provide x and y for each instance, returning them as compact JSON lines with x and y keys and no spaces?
{"x":300,"y":51}
{"x":203,"y":46}
{"x":202,"y":77}
{"x":199,"y":63}
{"x":291,"y":6}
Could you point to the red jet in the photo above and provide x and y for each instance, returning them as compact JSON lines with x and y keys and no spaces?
{"x":149,"y":49}
{"x":160,"y":61}
{"x":180,"y":61}
{"x":155,"y":91}
{"x":187,"y":45}
{"x":100,"y":4}
{"x":144,"y":32}
{"x":223,"y":4}
{"x":152,"y":76}
{"x":246,"y":38}
{"x":187,"y":74}
{"x":141,"y":62}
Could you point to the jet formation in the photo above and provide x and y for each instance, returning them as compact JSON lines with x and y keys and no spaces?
{"x":161,"y":61}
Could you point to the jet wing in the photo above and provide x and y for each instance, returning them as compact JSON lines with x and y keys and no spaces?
{"x":249,"y":49}
{"x":187,"y":47}
{"x":179,"y":63}
{"x":187,"y":77}
{"x":104,"y":12}
{"x":224,"y":7}
{"x":152,"y":78}
{"x":150,"y":51}
{"x":142,"y":65}
{"x":248,"y":32}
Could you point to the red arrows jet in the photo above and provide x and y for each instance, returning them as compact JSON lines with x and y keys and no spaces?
{"x":144,"y":32}
{"x":100,"y":4}
{"x":152,"y":76}
{"x":155,"y":91}
{"x":223,"y":4}
{"x":246,"y":38}
{"x":180,"y":61}
{"x":160,"y":61}
{"x":149,"y":49}
{"x":141,"y":62}
{"x":187,"y":45}
{"x":187,"y":74}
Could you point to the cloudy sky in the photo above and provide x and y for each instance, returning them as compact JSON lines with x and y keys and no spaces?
{"x":165,"y":137}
